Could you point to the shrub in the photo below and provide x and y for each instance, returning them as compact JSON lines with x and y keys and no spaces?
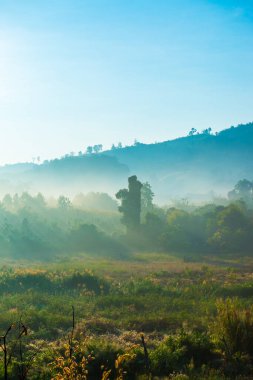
{"x":179,"y":351}
{"x":233,"y":329}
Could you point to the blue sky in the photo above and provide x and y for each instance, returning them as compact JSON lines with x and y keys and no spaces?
{"x":84,"y":72}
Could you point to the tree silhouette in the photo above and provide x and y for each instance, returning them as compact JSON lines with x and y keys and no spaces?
{"x":97,"y":148}
{"x":192,"y":132}
{"x":131,"y":204}
{"x":89,"y":149}
{"x":242,"y":190}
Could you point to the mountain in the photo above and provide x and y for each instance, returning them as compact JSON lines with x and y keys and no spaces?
{"x":69,"y":175}
{"x":192,"y":166}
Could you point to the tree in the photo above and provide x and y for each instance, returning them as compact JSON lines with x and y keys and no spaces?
{"x":7,"y":202}
{"x":89,"y":150}
{"x":147,"y":196}
{"x":242,"y":190}
{"x":63,"y":202}
{"x":118,"y":146}
{"x":39,"y":201}
{"x":207,"y":131}
{"x":192,"y":132}
{"x":233,"y":230}
{"x":136,"y":142}
{"x":131,"y":204}
{"x":97,"y":148}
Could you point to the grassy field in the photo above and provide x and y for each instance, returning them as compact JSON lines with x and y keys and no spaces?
{"x":151,"y":292}
{"x":116,"y":301}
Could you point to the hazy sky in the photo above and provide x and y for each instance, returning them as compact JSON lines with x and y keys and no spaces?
{"x":81,"y":72}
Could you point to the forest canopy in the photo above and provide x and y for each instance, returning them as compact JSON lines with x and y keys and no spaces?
{"x":39,"y":228}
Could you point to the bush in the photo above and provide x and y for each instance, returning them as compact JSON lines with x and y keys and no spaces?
{"x":176,"y":352}
{"x":233,"y":329}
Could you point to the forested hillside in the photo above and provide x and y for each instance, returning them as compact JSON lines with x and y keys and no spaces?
{"x":194,"y":166}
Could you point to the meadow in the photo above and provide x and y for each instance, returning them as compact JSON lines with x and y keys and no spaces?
{"x":173,"y":302}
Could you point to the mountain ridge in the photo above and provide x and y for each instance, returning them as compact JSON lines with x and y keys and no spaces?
{"x":189,"y":165}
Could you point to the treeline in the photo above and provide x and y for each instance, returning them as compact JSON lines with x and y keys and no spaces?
{"x":31,"y":227}
{"x":210,"y":228}
{"x":207,"y":229}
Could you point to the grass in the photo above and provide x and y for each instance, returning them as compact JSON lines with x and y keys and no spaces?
{"x":157,"y":294}
{"x":149,"y":292}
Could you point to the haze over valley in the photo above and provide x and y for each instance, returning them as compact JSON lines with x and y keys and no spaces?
{"x":199,"y":167}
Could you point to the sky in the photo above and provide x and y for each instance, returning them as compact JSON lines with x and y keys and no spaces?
{"x":85,"y":72}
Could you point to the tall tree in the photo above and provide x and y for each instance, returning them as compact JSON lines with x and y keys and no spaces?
{"x":131,"y":204}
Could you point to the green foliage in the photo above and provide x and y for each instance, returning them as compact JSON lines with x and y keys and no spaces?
{"x":131,"y":204}
{"x":243,"y":190}
{"x":105,"y":354}
{"x":111,"y":313}
{"x":178,"y":351}
{"x":30,"y":229}
{"x":88,"y":238}
{"x":51,"y":282}
{"x":147,"y":196}
{"x":209,"y":229}
{"x":233,"y":329}
{"x":95,"y":201}
{"x":126,"y":295}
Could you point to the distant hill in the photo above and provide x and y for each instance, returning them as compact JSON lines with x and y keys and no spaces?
{"x":191,"y":166}
{"x":194,"y":165}
{"x":69,"y":175}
